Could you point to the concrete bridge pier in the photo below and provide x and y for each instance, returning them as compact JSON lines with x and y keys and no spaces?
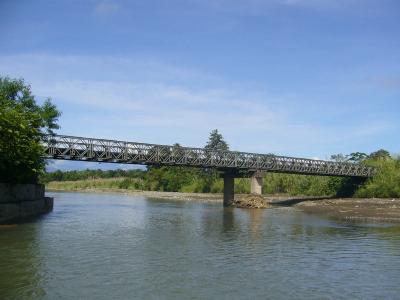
{"x":229,"y":188}
{"x":229,"y":184}
{"x":256,"y":185}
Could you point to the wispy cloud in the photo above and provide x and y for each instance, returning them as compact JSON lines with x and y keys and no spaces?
{"x":106,"y":8}
{"x":387,"y":82}
{"x":262,"y":6}
{"x":145,"y":101}
{"x":320,"y":3}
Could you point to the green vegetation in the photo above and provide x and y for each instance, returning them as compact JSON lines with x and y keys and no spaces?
{"x":22,"y":124}
{"x":125,"y":183}
{"x":386,"y":184}
{"x":178,"y":179}
{"x":216,"y":142}
{"x":90,"y":174}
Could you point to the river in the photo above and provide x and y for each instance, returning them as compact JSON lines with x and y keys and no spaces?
{"x":109,"y":246}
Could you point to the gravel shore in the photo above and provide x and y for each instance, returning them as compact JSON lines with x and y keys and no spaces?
{"x":152,"y":194}
{"x":371,"y":210}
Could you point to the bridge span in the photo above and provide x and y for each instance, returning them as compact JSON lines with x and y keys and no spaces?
{"x":231,"y":163}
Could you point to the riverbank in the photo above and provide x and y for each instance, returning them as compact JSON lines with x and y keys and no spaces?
{"x":370,"y":210}
{"x":151,"y":194}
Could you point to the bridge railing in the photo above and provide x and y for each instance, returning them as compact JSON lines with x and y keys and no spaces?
{"x":102,"y":150}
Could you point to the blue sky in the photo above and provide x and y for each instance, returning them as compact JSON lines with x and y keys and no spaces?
{"x":294,"y":77}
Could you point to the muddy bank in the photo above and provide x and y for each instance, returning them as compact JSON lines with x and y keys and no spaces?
{"x":371,"y":210}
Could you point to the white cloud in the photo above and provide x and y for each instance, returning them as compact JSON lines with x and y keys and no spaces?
{"x":143,"y":100}
{"x":387,"y":82}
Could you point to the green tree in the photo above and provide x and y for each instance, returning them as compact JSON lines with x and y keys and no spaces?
{"x":380,"y":155}
{"x":22,"y":124}
{"x":357,"y":157}
{"x":385,"y":183}
{"x":216,"y":141}
{"x":210,"y":177}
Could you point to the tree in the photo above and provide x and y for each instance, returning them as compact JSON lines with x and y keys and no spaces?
{"x":216,"y":142}
{"x":357,"y":157}
{"x":23,"y":122}
{"x":380,"y":155}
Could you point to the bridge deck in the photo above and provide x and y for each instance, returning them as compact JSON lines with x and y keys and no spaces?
{"x":101,"y":150}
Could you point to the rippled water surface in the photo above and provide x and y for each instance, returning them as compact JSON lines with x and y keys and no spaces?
{"x":103,"y":246}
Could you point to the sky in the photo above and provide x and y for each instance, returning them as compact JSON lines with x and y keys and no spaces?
{"x":306,"y":78}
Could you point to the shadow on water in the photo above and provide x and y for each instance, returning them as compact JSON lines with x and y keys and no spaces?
{"x":228,"y":220}
{"x":20,"y":262}
{"x":23,"y":220}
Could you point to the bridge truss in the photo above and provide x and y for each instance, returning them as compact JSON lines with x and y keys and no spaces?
{"x":102,"y":150}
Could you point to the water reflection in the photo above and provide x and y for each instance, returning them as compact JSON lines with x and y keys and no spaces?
{"x":228,"y":220}
{"x":121,"y":247}
{"x":20,"y":263}
{"x":257,"y":218}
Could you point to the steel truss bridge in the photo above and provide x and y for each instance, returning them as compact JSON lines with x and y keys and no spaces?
{"x":102,"y":150}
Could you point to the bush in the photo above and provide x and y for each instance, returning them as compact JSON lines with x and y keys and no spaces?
{"x":386,"y":184}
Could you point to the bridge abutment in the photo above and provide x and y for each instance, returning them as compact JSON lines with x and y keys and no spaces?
{"x":21,"y":201}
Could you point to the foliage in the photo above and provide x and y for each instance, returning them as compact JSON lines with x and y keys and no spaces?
{"x":357,"y":157}
{"x":380,"y":155}
{"x":216,"y":141}
{"x":299,"y":185}
{"x":386,"y":184}
{"x":126,"y":183}
{"x":90,"y":174}
{"x":167,"y":178}
{"x":22,"y":124}
{"x":210,"y":177}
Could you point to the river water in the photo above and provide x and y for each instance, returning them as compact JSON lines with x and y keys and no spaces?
{"x":105,"y":246}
